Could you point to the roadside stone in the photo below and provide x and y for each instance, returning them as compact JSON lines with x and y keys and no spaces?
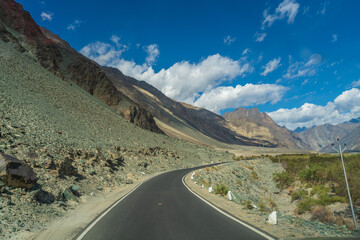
{"x":67,"y":194}
{"x":44,"y":197}
{"x":16,"y":173}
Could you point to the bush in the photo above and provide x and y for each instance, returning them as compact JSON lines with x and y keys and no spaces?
{"x":204,"y":182}
{"x":262,"y":206}
{"x":311,"y":174}
{"x":249,"y":205}
{"x":299,"y":195}
{"x":283,"y":179}
{"x":221,"y":189}
{"x":322,"y":214}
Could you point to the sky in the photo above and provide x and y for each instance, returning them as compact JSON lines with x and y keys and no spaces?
{"x":297,"y":60}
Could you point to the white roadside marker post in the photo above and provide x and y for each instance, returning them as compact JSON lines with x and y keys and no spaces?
{"x":346,"y":181}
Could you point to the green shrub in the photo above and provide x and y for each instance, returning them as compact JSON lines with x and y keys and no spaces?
{"x":249,"y":205}
{"x":272,"y":204}
{"x":299,"y":194}
{"x":262,"y":205}
{"x":311,"y":174}
{"x":221,"y":189}
{"x":283,"y":179}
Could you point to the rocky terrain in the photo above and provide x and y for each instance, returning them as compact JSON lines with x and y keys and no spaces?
{"x":75,"y":144}
{"x":255,"y":195}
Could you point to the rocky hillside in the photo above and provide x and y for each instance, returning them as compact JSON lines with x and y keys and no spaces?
{"x":321,"y":137}
{"x":259,"y":126}
{"x":185,"y":118}
{"x":57,"y":56}
{"x":74,"y":144}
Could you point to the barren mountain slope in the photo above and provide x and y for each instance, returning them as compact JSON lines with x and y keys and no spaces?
{"x":256,"y":125}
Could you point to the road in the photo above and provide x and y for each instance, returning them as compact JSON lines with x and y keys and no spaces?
{"x":162,"y":208}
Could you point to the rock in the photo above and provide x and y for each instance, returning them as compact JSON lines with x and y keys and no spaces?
{"x":74,"y":188}
{"x":68,"y":194}
{"x":44,"y":197}
{"x":16,"y":173}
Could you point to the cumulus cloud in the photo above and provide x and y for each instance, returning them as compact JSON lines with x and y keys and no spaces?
{"x":184,"y":81}
{"x":271,"y":66}
{"x":74,"y":25}
{"x":47,"y":16}
{"x":303,"y":69}
{"x":228,"y":40}
{"x":240,"y":96}
{"x":286,"y":9}
{"x":344,"y":108}
{"x":259,"y":37}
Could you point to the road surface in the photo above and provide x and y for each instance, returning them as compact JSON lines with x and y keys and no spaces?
{"x":164,"y":209}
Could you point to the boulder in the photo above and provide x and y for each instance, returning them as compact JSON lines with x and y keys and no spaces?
{"x":44,"y":197}
{"x":16,"y":173}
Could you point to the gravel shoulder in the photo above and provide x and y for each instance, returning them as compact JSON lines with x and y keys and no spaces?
{"x":248,"y":188}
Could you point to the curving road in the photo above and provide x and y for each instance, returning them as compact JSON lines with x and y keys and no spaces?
{"x":162,"y":208}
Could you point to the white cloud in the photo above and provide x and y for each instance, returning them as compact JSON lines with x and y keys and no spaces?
{"x":334,"y":38}
{"x":345,"y":107}
{"x":303,"y":69}
{"x":153,"y":53}
{"x":240,"y":96}
{"x":74,"y":25}
{"x":271,"y":66}
{"x":246,"y":51}
{"x":47,"y":16}
{"x":259,"y":37}
{"x":228,"y":40}
{"x":286,"y":9}
{"x":102,"y":53}
{"x":184,"y":81}
{"x":356,"y":83}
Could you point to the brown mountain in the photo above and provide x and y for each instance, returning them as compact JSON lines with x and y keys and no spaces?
{"x":57,"y":56}
{"x":139,"y":102}
{"x":256,"y":125}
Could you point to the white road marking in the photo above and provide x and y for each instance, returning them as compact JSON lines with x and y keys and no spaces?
{"x":224,"y":213}
{"x":106,"y":212}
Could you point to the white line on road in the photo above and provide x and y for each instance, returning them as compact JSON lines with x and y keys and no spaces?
{"x":104,"y":213}
{"x":228,"y":215}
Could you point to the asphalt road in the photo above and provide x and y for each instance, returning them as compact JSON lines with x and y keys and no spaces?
{"x":164,"y":209}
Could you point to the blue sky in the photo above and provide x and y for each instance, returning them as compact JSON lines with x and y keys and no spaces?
{"x":296,"y":60}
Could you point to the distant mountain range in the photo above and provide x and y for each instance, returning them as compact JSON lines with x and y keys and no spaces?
{"x":320,"y":138}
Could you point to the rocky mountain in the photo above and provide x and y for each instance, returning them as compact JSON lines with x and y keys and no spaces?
{"x":320,"y":138}
{"x":57,"y":56}
{"x":256,"y":125}
{"x":137,"y":101}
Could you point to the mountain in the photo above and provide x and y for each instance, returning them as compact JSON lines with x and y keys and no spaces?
{"x":320,"y":138}
{"x":57,"y":56}
{"x":175,"y":118}
{"x":137,"y":101}
{"x":255,"y":125}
